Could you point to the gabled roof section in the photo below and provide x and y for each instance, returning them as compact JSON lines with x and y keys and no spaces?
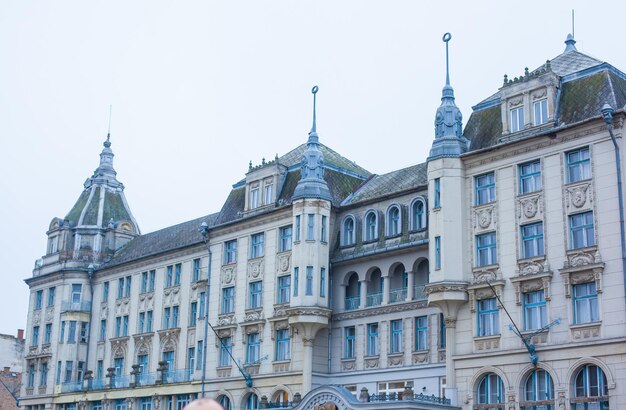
{"x":379,"y":186}
{"x":331,"y":158}
{"x":161,"y":241}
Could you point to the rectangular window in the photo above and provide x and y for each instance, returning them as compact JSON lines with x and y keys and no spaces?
{"x":285,"y":239}
{"x":69,"y":368}
{"x":118,"y":365}
{"x":100,"y":370}
{"x":120,"y":288}
{"x":51,"y":293}
{"x":47,"y":338}
{"x":485,"y":188}
{"x":193,"y":314}
{"x":58,"y":378}
{"x":149,"y":321}
{"x":202,"y":299}
{"x":71,"y":332}
{"x":230,"y":252}
{"x":256,"y":245}
{"x":529,"y":177}
{"x":578,"y":165}
{"x":142,"y":361}
{"x":421,"y":333}
{"x":144,"y":282}
{"x":166,"y":317}
{"x":128,"y":280}
{"x":284,"y":289}
{"x":256,"y":293}
{"x":254,"y":348}
{"x":297,"y":227}
{"x":196,"y":270}
{"x":488,"y":317}
{"x":282,"y":344}
{"x":581,"y":230}
{"x":77,"y":290}
{"x":349,"y":350}
{"x":31,"y":375}
{"x":532,"y":240}
{"x":168,"y":357}
{"x":296,"y":272}
{"x":437,"y":201}
{"x":372,"y":339}
{"x":125,"y":325}
{"x":84,"y":332}
{"x":38,"y":299}
{"x":105,"y":292}
{"x":535,"y":315}
{"x":43,"y":381}
{"x":228,"y":300}
{"x":310,"y":227}
{"x":191,"y":361}
{"x":268,"y":194}
{"x":169,"y":276}
{"x":177,"y":273}
{"x":62,"y":332}
{"x":585,"y":303}
{"x":437,"y":252}
{"x":323,"y":233}
{"x":118,"y":326}
{"x":323,"y":282}
{"x":442,"y":332}
{"x":517,"y":119}
{"x":396,"y":336}
{"x":151,"y":281}
{"x":309,"y":280}
{"x":103,"y":330}
{"x":35,"y":338}
{"x":486,"y":251}
{"x":254,"y":198}
{"x":141,"y":323}
{"x":540,"y":109}
{"x":79,"y":371}
{"x":226,"y":347}
{"x":200,"y":355}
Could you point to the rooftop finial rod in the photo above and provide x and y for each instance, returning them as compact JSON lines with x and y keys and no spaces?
{"x":109,"y":131}
{"x":573,"y":35}
{"x":314,"y":90}
{"x":446,"y":38}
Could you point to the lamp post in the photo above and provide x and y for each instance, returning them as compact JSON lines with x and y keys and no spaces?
{"x":204,"y":231}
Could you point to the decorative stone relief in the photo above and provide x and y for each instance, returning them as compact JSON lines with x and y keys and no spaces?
{"x":484,"y":217}
{"x":484,"y":292}
{"x":442,"y":356}
{"x":279,"y":311}
{"x":394,"y":361}
{"x":146,"y":301}
{"x":168,"y":340}
{"x":37,"y":317}
{"x":582,"y":258}
{"x":486,"y":275}
{"x":171,"y":296}
{"x":224,"y":372}
{"x":119,"y":347}
{"x":529,"y":207}
{"x":253,"y":316}
{"x":579,"y":196}
{"x":226,"y":320}
{"x":421,"y":358}
{"x":348,"y":365}
{"x":371,"y":363}
{"x":586,"y":332}
{"x":50,"y":314}
{"x":122,"y":306}
{"x":284,"y":262}
{"x":532,"y":267}
{"x":228,"y":274}
{"x":281,"y":367}
{"x":539,"y":94}
{"x":487,"y":344}
{"x":104,"y":311}
{"x":255,"y":269}
{"x":514,"y":102}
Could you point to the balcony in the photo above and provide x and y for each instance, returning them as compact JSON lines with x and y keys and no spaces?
{"x":352,"y":303}
{"x":146,"y":379}
{"x":119,"y":382}
{"x":70,"y":387}
{"x":397,"y":295}
{"x":71,"y":306}
{"x":418,"y":293}
{"x":178,"y":376}
{"x":374,"y":299}
{"x":98,"y":384}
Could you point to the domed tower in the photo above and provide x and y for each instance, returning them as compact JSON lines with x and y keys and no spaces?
{"x":447,"y":232}
{"x":309,"y":311}
{"x":99,"y":223}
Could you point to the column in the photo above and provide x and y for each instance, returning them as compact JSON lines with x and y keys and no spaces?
{"x":363,"y":294}
{"x":410,"y":285}
{"x":385,"y":290}
{"x":307,"y":366}
{"x":451,"y":390}
{"x":342,"y":296}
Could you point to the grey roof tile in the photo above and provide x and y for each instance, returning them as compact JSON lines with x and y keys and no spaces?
{"x":396,"y":181}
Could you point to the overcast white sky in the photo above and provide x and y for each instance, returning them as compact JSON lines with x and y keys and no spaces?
{"x":199,"y":88}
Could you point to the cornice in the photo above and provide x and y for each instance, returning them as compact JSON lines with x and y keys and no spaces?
{"x":380,"y":310}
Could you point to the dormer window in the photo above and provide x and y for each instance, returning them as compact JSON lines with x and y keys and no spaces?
{"x":517,"y":119}
{"x":393,"y":221}
{"x":268,"y":191}
{"x":53,"y":244}
{"x":348,"y":231}
{"x":254,"y":198}
{"x":540,"y":111}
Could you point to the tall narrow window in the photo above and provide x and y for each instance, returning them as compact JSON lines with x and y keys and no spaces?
{"x":196,"y":270}
{"x":141,"y":322}
{"x":128,"y":281}
{"x":535,"y":314}
{"x":348,"y":231}
{"x":517,"y":119}
{"x":166,"y":317}
{"x":285,"y":239}
{"x":120,"y":288}
{"x":254,"y":348}
{"x":485,"y":187}
{"x":193,"y":314}
{"x":295,"y":280}
{"x":282,"y":344}
{"x":43,"y":381}
{"x":490,"y":390}
{"x":419,"y":215}
{"x":256,"y":245}
{"x":486,"y":251}
{"x":529,"y":177}
{"x":152,"y":280}
{"x":175,"y":311}
{"x":149,"y":321}
{"x":585,"y":303}
{"x":230,"y":252}
{"x":393,"y":221}
{"x":532,"y":240}
{"x":372,"y":339}
{"x":297,"y":228}
{"x":62,"y":332}
{"x":177,"y":273}
{"x":71,"y":332}
{"x":77,"y":290}
{"x":284,"y":289}
{"x":226,"y":346}
{"x":35,"y":338}
{"x":200,"y":355}
{"x":118,"y":365}
{"x":371,"y":226}
{"x":437,"y":188}
{"x":69,"y":369}
{"x":488,"y":317}
{"x":118,"y":326}
{"x":323,"y":282}
{"x":105,"y":292}
{"x":144,"y":282}
{"x":142,"y":361}
{"x":540,"y":109}
{"x":309,"y":280}
{"x":442,"y":331}
{"x":582,"y":232}
{"x":396,"y":336}
{"x":310,"y":227}
{"x":323,"y":233}
{"x":421,"y":333}
{"x":169,"y":276}
{"x":437,"y":252}
{"x":228,"y":300}
{"x":578,"y":165}
{"x":349,"y":350}
{"x":84,"y":332}
{"x":38,"y":299}
{"x":202,"y":299}
{"x":47,"y":338}
{"x":103,"y":330}
{"x":255,"y":294}
{"x":125,"y":325}
{"x":268,"y":194}
{"x":51,"y":293}
{"x":539,"y":388}
{"x":254,"y":198}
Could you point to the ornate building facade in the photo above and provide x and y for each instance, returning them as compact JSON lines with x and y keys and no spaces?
{"x":489,"y":276}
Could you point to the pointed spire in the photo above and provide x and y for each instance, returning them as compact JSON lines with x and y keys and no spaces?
{"x":312,"y":183}
{"x":449,"y":140}
{"x":570,"y":44}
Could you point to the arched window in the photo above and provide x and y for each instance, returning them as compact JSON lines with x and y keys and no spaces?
{"x":418,"y":213}
{"x":393,"y":221}
{"x":224,"y":401}
{"x":280,"y":399}
{"x":371,"y":226}
{"x":591,"y":389}
{"x":490,"y":391}
{"x":538,"y":391}
{"x":348,"y":231}
{"x":252,"y":402}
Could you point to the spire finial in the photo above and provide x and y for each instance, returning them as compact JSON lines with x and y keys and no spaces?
{"x":314,"y":90}
{"x":107,"y":143}
{"x":446,"y":38}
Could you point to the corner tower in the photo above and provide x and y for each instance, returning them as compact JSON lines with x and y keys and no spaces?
{"x":309,"y":311}
{"x":447,"y":228}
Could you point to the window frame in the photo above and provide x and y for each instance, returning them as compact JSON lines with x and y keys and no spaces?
{"x":516,"y":116}
{"x":228,"y":300}
{"x":421,"y":333}
{"x":283,"y":294}
{"x":544,"y":115}
{"x":230,"y":252}
{"x":395,"y":336}
{"x":530,"y":236}
{"x":255,"y":294}
{"x":257,"y":247}
{"x":488,"y":396}
{"x":437,"y":193}
{"x":283,"y":342}
{"x":529,"y":171}
{"x":489,"y":249}
{"x":310,"y":227}
{"x":371,"y":229}
{"x":348,"y":232}
{"x":419,"y":218}
{"x":394,"y":222}
{"x":588,"y":301}
{"x":579,"y":168}
{"x":437,"y":252}
{"x":535,"y":311}
{"x":253,"y":351}
{"x":488,"y":188}
{"x":372,"y":339}
{"x":585,"y":228}
{"x":285,"y":238}
{"x":349,"y":346}
{"x":487,"y":314}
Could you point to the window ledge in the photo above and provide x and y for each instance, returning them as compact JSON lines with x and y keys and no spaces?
{"x":255,"y":258}
{"x":489,"y":337}
{"x":486,"y":204}
{"x":394,"y":236}
{"x":580,"y":181}
{"x":585,"y":325}
{"x":368,"y":241}
{"x":348,"y":359}
{"x":347,"y":246}
{"x":395,"y":354}
{"x":529,"y":194}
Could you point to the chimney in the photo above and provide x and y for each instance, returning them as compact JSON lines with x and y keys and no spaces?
{"x":20,"y":334}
